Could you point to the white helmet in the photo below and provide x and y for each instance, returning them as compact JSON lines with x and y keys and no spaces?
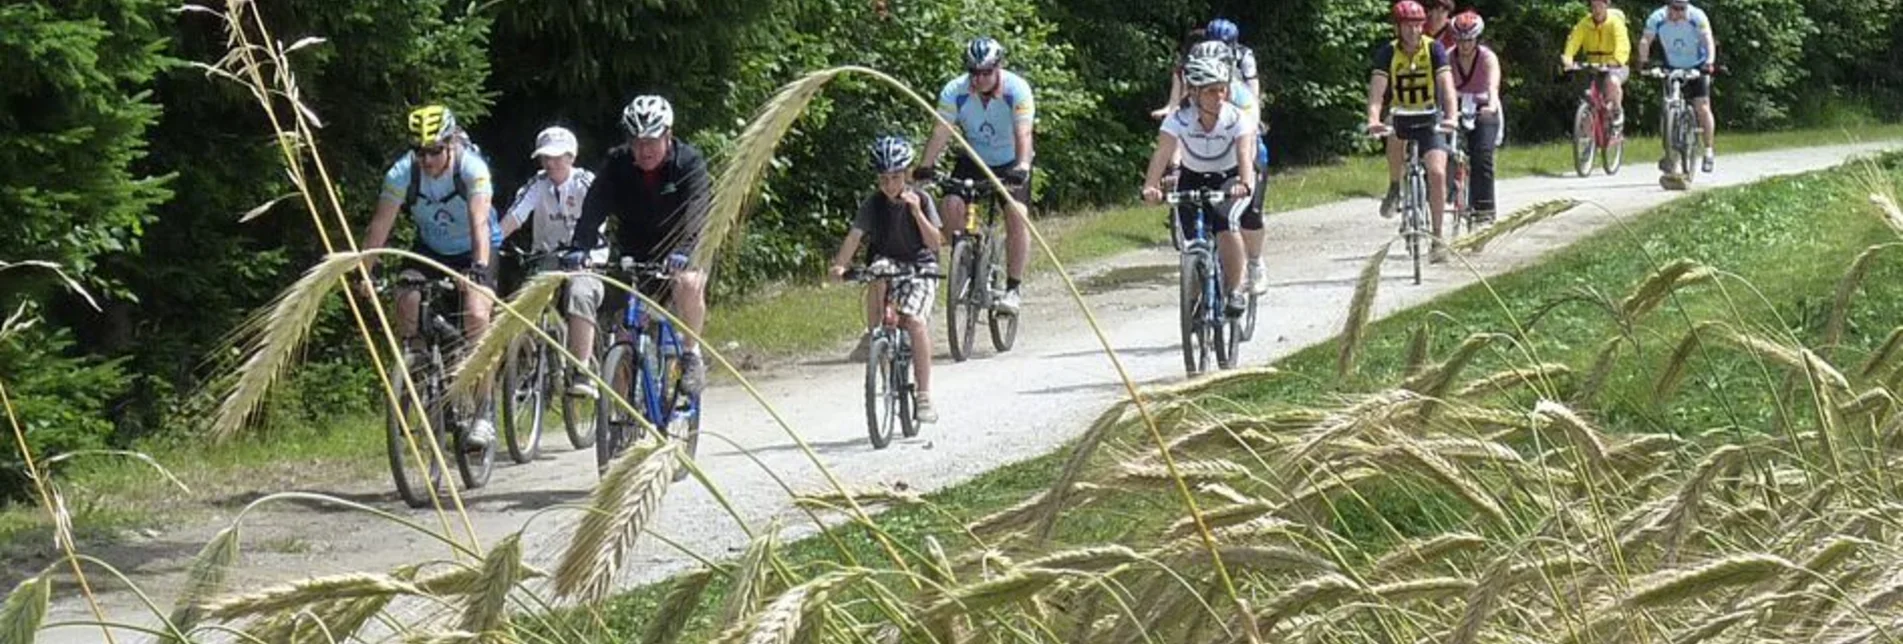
{"x":1211,"y":49}
{"x":891,"y":154}
{"x":647,"y":117}
{"x":1205,"y":70}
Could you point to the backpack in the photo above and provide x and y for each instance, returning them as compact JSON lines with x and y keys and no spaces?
{"x":455,"y":172}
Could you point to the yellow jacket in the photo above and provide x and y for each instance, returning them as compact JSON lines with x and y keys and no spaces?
{"x":1607,"y":42}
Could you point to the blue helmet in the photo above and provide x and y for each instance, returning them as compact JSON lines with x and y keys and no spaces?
{"x":983,"y":53}
{"x":1222,"y":29}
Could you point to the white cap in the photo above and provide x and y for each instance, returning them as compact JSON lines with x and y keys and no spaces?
{"x":555,"y":141}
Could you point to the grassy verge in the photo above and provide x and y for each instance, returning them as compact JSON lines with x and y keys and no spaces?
{"x":1778,"y":249}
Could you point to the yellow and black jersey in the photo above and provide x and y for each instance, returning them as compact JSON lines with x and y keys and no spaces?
{"x":1411,"y":78}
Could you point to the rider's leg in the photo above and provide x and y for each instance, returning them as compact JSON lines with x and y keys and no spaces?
{"x":1707,"y":125}
{"x":580,"y":303}
{"x":408,"y":303}
{"x":1017,"y":243}
{"x":1615,"y":97}
{"x":914,"y":306}
{"x":1436,"y":161}
{"x":476,"y":307}
{"x":921,"y":350}
{"x":689,"y":301}
{"x":1396,"y":153}
{"x":1254,"y":236}
{"x":953,"y":215}
{"x":1229,"y":249}
{"x":875,"y":304}
{"x":1480,"y":148}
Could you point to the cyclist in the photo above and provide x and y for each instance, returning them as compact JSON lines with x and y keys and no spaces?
{"x":444,"y":185}
{"x":1218,"y":144}
{"x":995,"y":110}
{"x":658,"y":191}
{"x":1477,"y":80}
{"x":1440,"y":23}
{"x":1411,"y":75}
{"x":553,"y":201}
{"x":1602,"y":34}
{"x":1241,"y":57}
{"x":1686,"y":34}
{"x":1178,"y":97}
{"x":901,"y":226}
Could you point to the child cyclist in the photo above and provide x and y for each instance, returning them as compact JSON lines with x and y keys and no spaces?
{"x":901,"y":226}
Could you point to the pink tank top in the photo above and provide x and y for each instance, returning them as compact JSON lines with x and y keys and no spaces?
{"x":1472,"y":79}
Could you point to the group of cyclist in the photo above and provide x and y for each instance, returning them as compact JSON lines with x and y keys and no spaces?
{"x":1435,"y":69}
{"x":656,"y":188}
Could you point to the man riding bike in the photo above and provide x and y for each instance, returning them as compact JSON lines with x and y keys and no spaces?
{"x":1412,"y":77}
{"x":446,"y":190}
{"x":995,"y":110}
{"x":1241,"y":57}
{"x":553,"y":201}
{"x":1218,"y":146}
{"x":1477,"y":79}
{"x":1602,"y":34}
{"x":1440,"y":23}
{"x":658,"y":191}
{"x":1686,"y":34}
{"x":901,"y":227}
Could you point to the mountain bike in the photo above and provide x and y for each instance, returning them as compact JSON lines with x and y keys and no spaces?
{"x":977,"y":271}
{"x":1205,"y":326}
{"x":428,"y":357}
{"x":1679,"y":125}
{"x":1460,"y":170}
{"x":532,"y":375}
{"x":643,"y":365}
{"x":890,"y":392}
{"x":1414,"y":207}
{"x":1593,"y":132}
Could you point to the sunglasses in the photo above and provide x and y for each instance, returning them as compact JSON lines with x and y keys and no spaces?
{"x":434,"y":150}
{"x":983,"y":72}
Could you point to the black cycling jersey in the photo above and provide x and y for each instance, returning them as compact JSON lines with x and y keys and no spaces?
{"x":656,"y":213}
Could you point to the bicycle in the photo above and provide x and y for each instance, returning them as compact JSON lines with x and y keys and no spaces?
{"x":1459,"y":169}
{"x":1205,"y":326}
{"x":1414,"y":207}
{"x":643,"y":364}
{"x":532,"y":374}
{"x":447,"y":421}
{"x":977,"y":271}
{"x":1679,"y":123}
{"x":1592,"y":125}
{"x":890,"y":392}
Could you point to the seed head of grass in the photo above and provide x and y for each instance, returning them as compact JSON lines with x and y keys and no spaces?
{"x":627,"y":498}
{"x":300,"y":594}
{"x":25,"y":609}
{"x":1360,"y":309}
{"x":275,"y":334}
{"x":670,"y":618}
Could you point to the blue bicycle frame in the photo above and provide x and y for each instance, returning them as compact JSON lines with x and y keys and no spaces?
{"x":655,"y":401}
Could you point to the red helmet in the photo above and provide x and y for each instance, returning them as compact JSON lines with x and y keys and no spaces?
{"x":1467,"y":25}
{"x":1409,"y":11}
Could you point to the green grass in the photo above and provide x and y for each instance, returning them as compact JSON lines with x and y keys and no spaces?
{"x":1785,"y":243}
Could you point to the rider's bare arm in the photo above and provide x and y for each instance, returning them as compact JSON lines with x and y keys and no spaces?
{"x":1493,"y":81}
{"x":1160,"y":160}
{"x":1449,"y":101}
{"x":1377,"y":88}
{"x":479,"y":229}
{"x":925,"y":214}
{"x":941,"y":135}
{"x":380,"y":223}
{"x":1024,"y":138}
{"x":846,"y":251}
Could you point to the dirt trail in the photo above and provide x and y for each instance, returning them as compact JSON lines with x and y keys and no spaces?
{"x":995,"y":409}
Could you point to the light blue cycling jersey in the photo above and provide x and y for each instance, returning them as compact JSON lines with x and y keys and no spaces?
{"x":1684,"y":47}
{"x":990,"y":125}
{"x":441,"y":215}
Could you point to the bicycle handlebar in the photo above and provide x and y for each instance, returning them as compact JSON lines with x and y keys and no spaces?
{"x":1597,"y":68}
{"x":888,"y":271}
{"x":1679,"y":74}
{"x":1210,"y":196}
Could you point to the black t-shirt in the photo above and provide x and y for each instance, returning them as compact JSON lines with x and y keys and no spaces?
{"x":891,"y":232}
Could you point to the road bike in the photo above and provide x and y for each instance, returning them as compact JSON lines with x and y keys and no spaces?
{"x":891,"y":396}
{"x":1460,"y":170}
{"x":1679,"y":124}
{"x":1414,"y":207}
{"x":532,"y":374}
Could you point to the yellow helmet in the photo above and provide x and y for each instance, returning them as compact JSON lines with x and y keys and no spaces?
{"x":431,"y":125}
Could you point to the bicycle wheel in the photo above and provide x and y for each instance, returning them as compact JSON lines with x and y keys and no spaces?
{"x":476,"y":463}
{"x":1004,"y":327}
{"x":614,"y":426}
{"x":961,"y":298}
{"x":1417,"y":234}
{"x":881,"y":410}
{"x":578,"y":413}
{"x":1224,"y":335}
{"x":1682,"y":142}
{"x":1247,"y":329}
{"x":525,"y":398}
{"x":1585,"y":138}
{"x":902,"y":389}
{"x":1195,"y":352}
{"x":416,"y":474}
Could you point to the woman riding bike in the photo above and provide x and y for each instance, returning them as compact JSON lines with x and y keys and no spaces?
{"x":1218,"y":145}
{"x":1477,"y":82}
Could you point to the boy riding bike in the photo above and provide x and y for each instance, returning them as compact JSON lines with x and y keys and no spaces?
{"x":1218,"y":146}
{"x":901,"y":226}
{"x":553,"y":202}
{"x":446,"y":190}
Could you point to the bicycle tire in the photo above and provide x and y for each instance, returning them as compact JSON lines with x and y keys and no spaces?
{"x":879,"y":404}
{"x":1004,"y":326}
{"x":404,"y":463}
{"x":1224,"y":333}
{"x":476,"y":464}
{"x":1585,"y":138}
{"x":902,"y":388}
{"x":579,"y":413}
{"x":1682,"y":135}
{"x":1416,"y":213}
{"x":675,"y":399}
{"x":615,"y":427}
{"x":1613,"y":157}
{"x":1249,"y":317}
{"x":961,"y":309}
{"x":525,"y":399}
{"x":1458,"y":198}
{"x":1195,"y":355}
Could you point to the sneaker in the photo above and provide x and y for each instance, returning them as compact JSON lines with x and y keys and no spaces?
{"x":1392,"y":201}
{"x":1438,"y":255}
{"x":580,"y":385}
{"x":1665,"y":164}
{"x":922,"y":409}
{"x":1258,"y":276}
{"x":1484,"y":217}
{"x":1709,"y":160}
{"x":860,"y":351}
{"x":1238,"y":302}
{"x":481,"y":434}
{"x":693,"y":373}
{"x":1008,"y":304}
{"x":1618,"y":123}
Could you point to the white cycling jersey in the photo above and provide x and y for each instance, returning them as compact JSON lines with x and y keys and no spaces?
{"x":556,"y":209}
{"x":1214,"y":149}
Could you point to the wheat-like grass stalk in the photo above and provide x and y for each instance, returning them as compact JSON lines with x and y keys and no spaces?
{"x":1602,"y":365}
{"x":486,"y":610}
{"x":276,"y":332}
{"x":300,"y":594}
{"x":1884,"y":197}
{"x":1681,"y":356}
{"x":1222,"y":517}
{"x":1515,"y":222}
{"x":1439,"y":470}
{"x":1885,"y":353}
{"x":1044,"y":510}
{"x":620,"y":507}
{"x":864,"y":496}
{"x":1419,"y":347}
{"x":1360,"y":308}
{"x":1020,"y":583}
{"x":785,"y":619}
{"x":1587,"y":439}
{"x":1423,"y":551}
{"x":514,"y":319}
{"x":1712,"y":627}
{"x":1669,"y":587}
{"x":206,"y":577}
{"x":670,"y":617}
{"x":1032,"y":510}
{"x":1092,"y":559}
{"x":1501,"y":382}
{"x":1847,"y":288}
{"x":25,"y":609}
{"x":1660,"y":284}
{"x":748,"y":581}
{"x":1433,"y":589}
{"x":1193,"y":473}
{"x":1304,"y":595}
{"x":1434,"y":381}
